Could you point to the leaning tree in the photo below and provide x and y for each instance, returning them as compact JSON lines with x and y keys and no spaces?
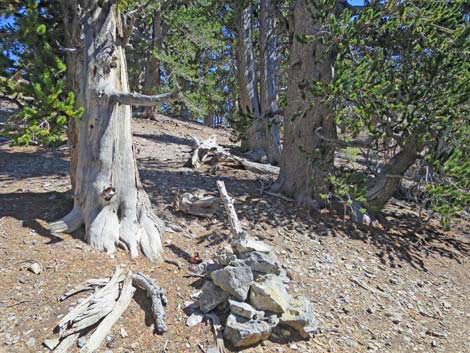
{"x":108,"y":196}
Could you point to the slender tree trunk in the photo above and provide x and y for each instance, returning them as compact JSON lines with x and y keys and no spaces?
{"x":388,"y":181}
{"x":247,"y":80}
{"x":74,"y":61}
{"x":109,"y":199}
{"x":306,"y":162}
{"x":268,"y":83}
{"x":152,"y":68}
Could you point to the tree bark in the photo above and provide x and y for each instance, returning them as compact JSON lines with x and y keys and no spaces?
{"x":306,"y":162}
{"x":247,"y":79}
{"x":388,"y":181}
{"x":74,"y":61}
{"x":268,"y":83}
{"x":109,"y":199}
{"x":152,"y":68}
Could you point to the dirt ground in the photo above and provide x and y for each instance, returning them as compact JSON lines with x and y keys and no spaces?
{"x":397,"y":289}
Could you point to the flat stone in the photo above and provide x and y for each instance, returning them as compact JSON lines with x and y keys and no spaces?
{"x":259,"y":262}
{"x":211,"y":296}
{"x":194,"y":319}
{"x":269,"y":293}
{"x":301,"y":316}
{"x":249,"y":244}
{"x":205,"y":268}
{"x":31,"y":342}
{"x":234,"y":280}
{"x":241,"y":332}
{"x":244,"y":309}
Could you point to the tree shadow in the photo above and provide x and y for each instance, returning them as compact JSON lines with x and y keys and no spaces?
{"x":165,"y":138}
{"x":30,"y":163}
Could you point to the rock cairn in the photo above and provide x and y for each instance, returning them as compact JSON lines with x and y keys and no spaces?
{"x":247,"y":287}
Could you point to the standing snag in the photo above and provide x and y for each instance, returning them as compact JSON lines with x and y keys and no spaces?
{"x":108,"y":196}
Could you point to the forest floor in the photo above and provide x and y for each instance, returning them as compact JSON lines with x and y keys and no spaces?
{"x":396,"y":289}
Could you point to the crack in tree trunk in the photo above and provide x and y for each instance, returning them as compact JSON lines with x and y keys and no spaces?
{"x":105,"y":158}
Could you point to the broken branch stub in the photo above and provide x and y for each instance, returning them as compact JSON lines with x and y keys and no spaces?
{"x":235,"y":224}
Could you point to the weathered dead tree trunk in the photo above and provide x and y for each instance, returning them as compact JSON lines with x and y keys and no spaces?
{"x":306,"y":162}
{"x":388,"y":181}
{"x":268,"y":83}
{"x":152,"y":68}
{"x":108,"y":198}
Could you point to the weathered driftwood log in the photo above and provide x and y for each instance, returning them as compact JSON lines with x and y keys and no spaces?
{"x":209,"y":152}
{"x":103,"y":308}
{"x":127,"y":292}
{"x":206,"y":152}
{"x":198,"y":205}
{"x":156,"y":295}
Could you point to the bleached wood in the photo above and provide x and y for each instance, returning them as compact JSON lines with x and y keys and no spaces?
{"x":109,"y":199}
{"x":66,"y":344}
{"x":198,"y":205}
{"x":138,"y":99}
{"x":92,"y":309}
{"x":217,"y":329}
{"x":235,"y":225}
{"x":156,"y":295}
{"x":106,"y":325}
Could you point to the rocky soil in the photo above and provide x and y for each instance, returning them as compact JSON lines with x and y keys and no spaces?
{"x":397,"y":288}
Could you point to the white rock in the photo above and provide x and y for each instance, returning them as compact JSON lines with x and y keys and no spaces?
{"x":194,"y":319}
{"x":269,"y":293}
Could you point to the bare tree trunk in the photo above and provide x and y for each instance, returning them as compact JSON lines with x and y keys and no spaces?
{"x":74,"y":60}
{"x":306,"y":162}
{"x":152,"y":68}
{"x":268,"y":83}
{"x":388,"y":181}
{"x":109,"y":198}
{"x":247,"y":80}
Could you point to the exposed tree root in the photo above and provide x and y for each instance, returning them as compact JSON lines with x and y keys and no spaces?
{"x":106,"y":230}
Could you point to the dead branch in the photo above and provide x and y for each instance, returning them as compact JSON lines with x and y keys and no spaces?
{"x":235,"y":224}
{"x":105,"y":326}
{"x":157,"y":296}
{"x":138,"y":99}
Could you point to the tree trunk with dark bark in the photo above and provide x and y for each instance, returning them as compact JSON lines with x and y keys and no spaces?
{"x":108,"y":198}
{"x":247,"y":80}
{"x":152,"y":68}
{"x":388,"y":181}
{"x":306,"y":162}
{"x":268,"y":83}
{"x":74,"y":61}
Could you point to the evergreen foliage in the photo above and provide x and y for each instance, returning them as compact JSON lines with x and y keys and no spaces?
{"x":37,"y":71}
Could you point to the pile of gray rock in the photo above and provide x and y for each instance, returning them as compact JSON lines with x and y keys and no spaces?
{"x":247,"y":287}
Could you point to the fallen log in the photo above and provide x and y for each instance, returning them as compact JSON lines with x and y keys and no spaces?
{"x":100,"y":310}
{"x":197,"y":205}
{"x":211,"y":153}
